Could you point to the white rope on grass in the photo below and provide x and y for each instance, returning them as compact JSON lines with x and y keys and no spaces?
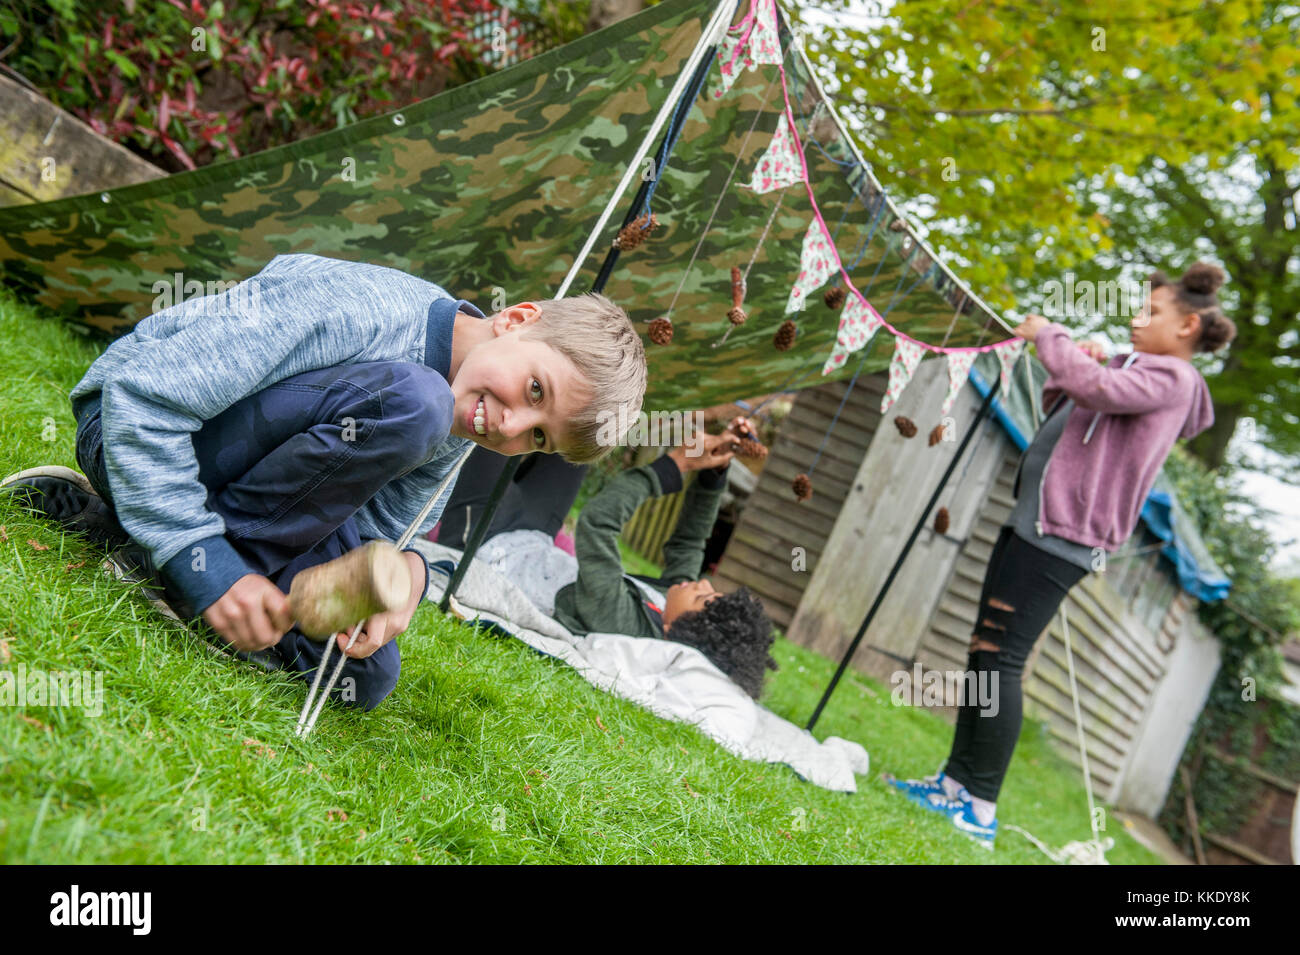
{"x":1072,"y":853}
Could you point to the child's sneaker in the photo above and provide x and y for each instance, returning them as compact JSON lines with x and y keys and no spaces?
{"x":918,"y":790}
{"x":961,"y":812}
{"x":65,"y":496}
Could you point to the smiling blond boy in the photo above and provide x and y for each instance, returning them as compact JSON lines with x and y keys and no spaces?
{"x":231,"y":441}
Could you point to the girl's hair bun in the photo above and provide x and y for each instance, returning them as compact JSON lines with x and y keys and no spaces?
{"x":1202,"y":278}
{"x":1217,"y":330}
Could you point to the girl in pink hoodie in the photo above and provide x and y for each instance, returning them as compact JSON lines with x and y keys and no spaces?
{"x":1107,"y":429}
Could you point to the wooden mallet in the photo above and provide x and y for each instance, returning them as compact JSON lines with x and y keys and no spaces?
{"x":331,"y":597}
{"x":346,"y":591}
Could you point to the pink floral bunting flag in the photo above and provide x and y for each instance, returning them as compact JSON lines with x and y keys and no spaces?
{"x":959,"y":363}
{"x":1007,"y":355}
{"x":757,"y":42}
{"x":733,"y":56}
{"x":816,"y":263}
{"x":764,"y":42}
{"x":858,"y":322}
{"x":907,"y":355}
{"x":779,"y":166}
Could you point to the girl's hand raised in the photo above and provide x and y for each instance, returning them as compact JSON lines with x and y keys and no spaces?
{"x":1094,"y":350}
{"x":1031,"y":326}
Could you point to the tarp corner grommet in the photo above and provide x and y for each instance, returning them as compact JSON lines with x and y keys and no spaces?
{"x":104,"y":197}
{"x":399,"y":119}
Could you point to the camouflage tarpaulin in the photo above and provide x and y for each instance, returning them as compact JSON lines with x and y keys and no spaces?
{"x":490,"y":189}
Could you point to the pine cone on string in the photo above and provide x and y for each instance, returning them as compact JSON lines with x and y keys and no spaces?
{"x":802,"y":487}
{"x":661,"y":331}
{"x":936,"y":434}
{"x":736,"y":315}
{"x":834,"y":297}
{"x":898,"y":225}
{"x":636,"y":232}
{"x":941,"y":521}
{"x":749,"y":448}
{"x":785,"y":336}
{"x":906,"y":426}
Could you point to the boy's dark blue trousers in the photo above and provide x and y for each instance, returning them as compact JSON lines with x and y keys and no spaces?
{"x":288,"y":467}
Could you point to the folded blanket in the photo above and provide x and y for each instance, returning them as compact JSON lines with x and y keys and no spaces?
{"x":508,"y":585}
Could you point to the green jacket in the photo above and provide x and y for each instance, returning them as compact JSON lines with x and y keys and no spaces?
{"x":604,"y":598}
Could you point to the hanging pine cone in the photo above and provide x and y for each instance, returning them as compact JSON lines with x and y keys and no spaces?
{"x":898,"y":225}
{"x":749,"y":448}
{"x":834,"y":296}
{"x":936,"y":434}
{"x":736,"y":315}
{"x":785,"y":335}
{"x":636,"y":232}
{"x":941,"y":521}
{"x":802,"y":487}
{"x":661,"y":331}
{"x":906,"y":426}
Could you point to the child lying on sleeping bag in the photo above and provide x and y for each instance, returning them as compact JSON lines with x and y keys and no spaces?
{"x":593,"y":594}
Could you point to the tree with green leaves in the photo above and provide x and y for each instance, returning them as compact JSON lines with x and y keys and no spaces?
{"x":1035,"y":138}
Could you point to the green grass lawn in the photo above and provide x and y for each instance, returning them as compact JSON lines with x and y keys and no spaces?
{"x":486,"y":751}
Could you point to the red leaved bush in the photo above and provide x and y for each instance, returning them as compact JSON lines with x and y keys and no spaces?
{"x":185,"y":82}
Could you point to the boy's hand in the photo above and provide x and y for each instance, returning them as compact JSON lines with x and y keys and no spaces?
{"x":718,"y":449}
{"x":252,"y":615}
{"x":383,"y":627}
{"x":1031,"y":326}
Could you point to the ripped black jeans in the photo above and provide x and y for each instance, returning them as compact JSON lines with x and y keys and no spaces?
{"x":1023,"y":587}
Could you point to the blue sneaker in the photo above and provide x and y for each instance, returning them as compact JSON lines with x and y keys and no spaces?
{"x":919,"y":790}
{"x":961,"y":812}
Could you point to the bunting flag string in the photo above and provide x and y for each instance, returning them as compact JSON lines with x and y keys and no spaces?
{"x":858,"y":323}
{"x":764,"y":41}
{"x":754,"y":41}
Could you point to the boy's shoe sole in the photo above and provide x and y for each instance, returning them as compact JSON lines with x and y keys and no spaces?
{"x":52,"y":470}
{"x":66,"y":497}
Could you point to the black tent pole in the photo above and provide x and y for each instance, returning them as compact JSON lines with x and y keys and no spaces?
{"x":607,"y":267}
{"x":893,"y":572}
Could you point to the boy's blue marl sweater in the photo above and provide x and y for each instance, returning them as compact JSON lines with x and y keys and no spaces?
{"x":188,"y":363}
